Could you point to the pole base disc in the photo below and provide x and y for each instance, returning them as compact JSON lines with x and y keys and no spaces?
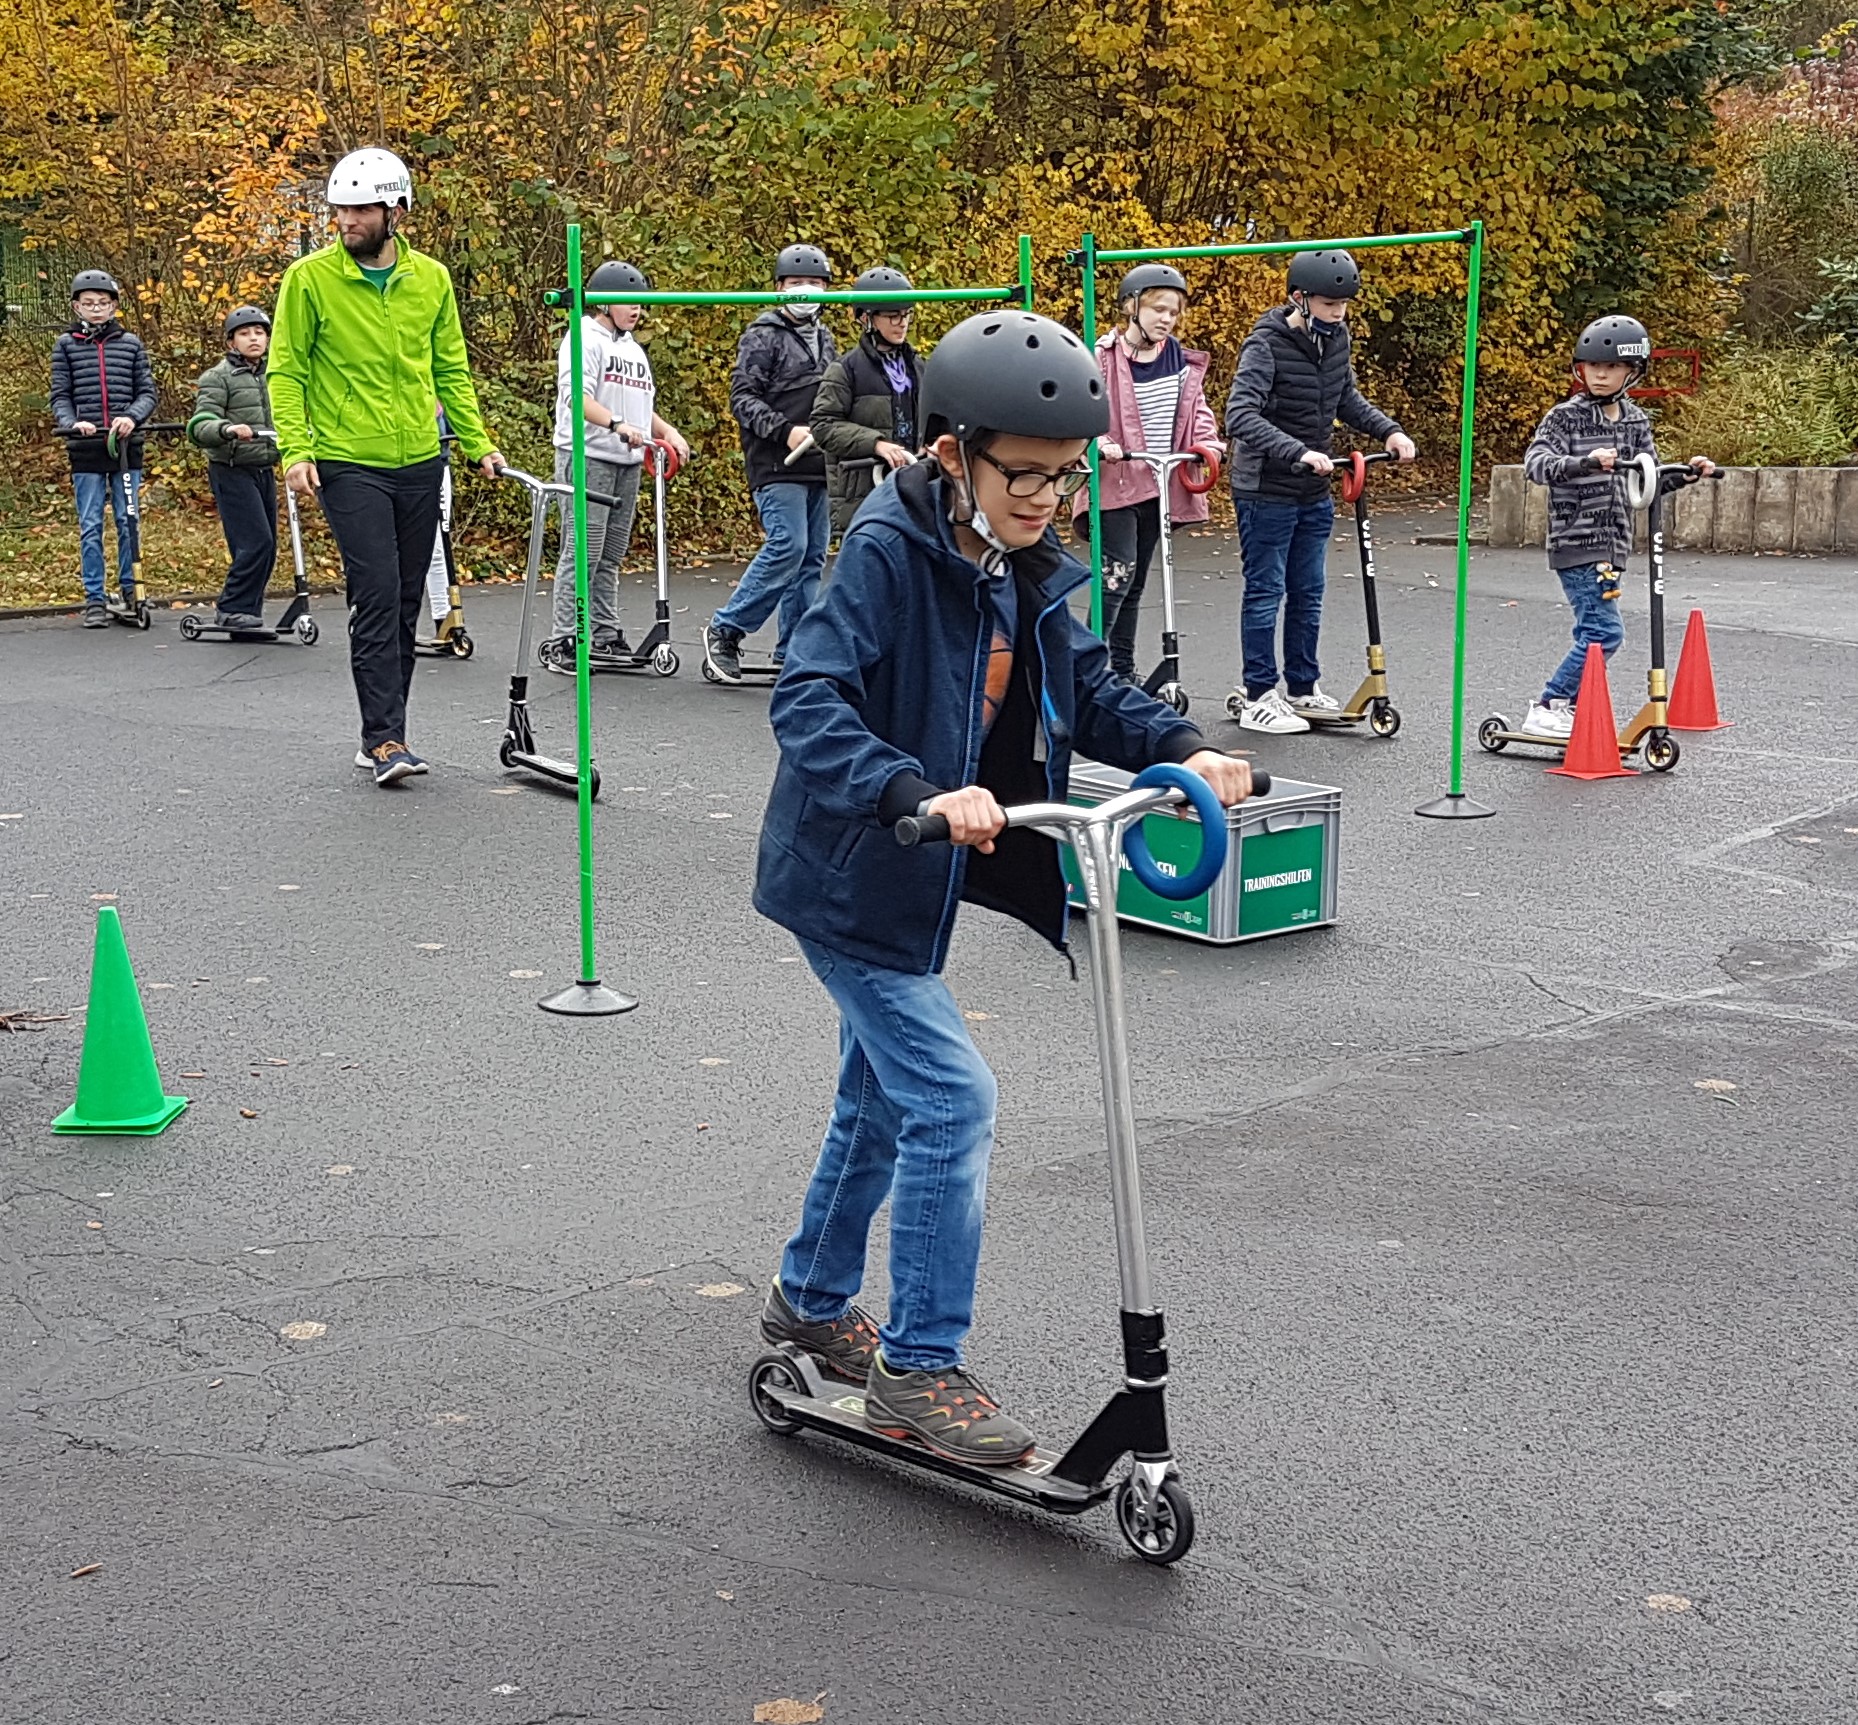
{"x":588,"y":1000}
{"x":1454,"y":808}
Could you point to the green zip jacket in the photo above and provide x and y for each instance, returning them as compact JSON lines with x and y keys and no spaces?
{"x":354,"y":370}
{"x":233,"y":393}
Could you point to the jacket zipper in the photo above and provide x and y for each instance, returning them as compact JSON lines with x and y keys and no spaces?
{"x":103,"y":381}
{"x":976,"y":685}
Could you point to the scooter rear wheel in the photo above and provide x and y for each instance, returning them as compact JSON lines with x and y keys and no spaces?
{"x":1169,"y":1531}
{"x":144,"y":617}
{"x":190,"y":627}
{"x":1490,"y":734}
{"x":773,"y":1369}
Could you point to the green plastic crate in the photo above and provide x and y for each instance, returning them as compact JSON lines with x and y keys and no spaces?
{"x":1280,"y":873}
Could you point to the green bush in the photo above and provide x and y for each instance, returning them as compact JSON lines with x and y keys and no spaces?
{"x":1770,"y":407}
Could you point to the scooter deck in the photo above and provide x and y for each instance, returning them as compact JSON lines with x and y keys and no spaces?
{"x":1556,"y":745}
{"x":839,"y":1412}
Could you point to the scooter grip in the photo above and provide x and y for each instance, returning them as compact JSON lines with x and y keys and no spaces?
{"x":913,"y":830}
{"x":1261,"y":782}
{"x":1209,"y":469}
{"x":672,"y":461}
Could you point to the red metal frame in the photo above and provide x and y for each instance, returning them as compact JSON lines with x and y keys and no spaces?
{"x":1659,"y":392}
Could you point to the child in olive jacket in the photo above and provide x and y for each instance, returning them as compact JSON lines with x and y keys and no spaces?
{"x":232,"y":408}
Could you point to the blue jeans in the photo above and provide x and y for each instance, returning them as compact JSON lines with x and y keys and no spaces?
{"x":914,"y":1122}
{"x":90,"y":490}
{"x":785,"y":573}
{"x":1282,"y":548}
{"x":1596,"y":620}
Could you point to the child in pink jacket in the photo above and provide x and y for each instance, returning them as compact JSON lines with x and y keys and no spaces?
{"x":1157,"y":404}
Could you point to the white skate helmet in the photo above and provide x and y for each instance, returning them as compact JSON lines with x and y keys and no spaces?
{"x":370,"y":176}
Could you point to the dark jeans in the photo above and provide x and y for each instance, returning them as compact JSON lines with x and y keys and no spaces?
{"x":1283,"y":546}
{"x":1129,"y":539}
{"x":1596,"y":623}
{"x":384,"y":520}
{"x":247,"y":499}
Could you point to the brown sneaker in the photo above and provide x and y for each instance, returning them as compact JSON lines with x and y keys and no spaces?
{"x":845,"y":1346}
{"x":946,"y":1411}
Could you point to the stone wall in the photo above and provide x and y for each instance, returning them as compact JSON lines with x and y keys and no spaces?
{"x":1748,"y":509}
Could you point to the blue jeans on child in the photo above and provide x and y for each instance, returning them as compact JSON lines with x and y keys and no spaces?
{"x":1282,"y":548}
{"x":914,"y":1122}
{"x":1596,"y":621}
{"x":90,"y":489}
{"x":786,"y":570}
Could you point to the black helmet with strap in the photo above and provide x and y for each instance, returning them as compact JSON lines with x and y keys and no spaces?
{"x":616,"y":276}
{"x":95,"y":281}
{"x":807,"y":263}
{"x":1328,"y":275}
{"x":245,"y":317}
{"x":1614,"y":341}
{"x":881,"y":278}
{"x":1146,"y":278}
{"x":1013,"y":372}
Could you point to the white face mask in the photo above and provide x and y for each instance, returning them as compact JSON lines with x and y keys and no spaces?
{"x":997,"y":548}
{"x":802,"y":311}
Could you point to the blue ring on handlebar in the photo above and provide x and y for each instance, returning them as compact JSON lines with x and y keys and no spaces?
{"x":1213,"y":838}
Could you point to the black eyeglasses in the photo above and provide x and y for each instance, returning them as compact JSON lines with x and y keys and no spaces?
{"x":1030,"y":481}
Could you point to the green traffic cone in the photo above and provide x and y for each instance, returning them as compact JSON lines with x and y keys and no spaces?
{"x":118,"y":1088}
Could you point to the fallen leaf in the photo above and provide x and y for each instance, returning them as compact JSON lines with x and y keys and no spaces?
{"x":506,"y":790}
{"x":720,"y":1290}
{"x":102,"y":897}
{"x":88,"y":1569}
{"x":786,"y":1712}
{"x":427,"y":946}
{"x":93,"y":1224}
{"x":18,"y":817}
{"x":248,"y":1113}
{"x":290,"y":889}
{"x":977,"y":1017}
{"x":526,"y":975}
{"x":272,"y":1060}
{"x":161,"y":985}
{"x":451,"y":1419}
{"x":724,"y":1593}
{"x":106,"y":1194}
{"x":712,"y":1060}
{"x":505,"y":1689}
{"x":193,"y":1074}
{"x":215,"y":1384}
{"x":1802,"y":839}
{"x":1668,"y":1602}
{"x":703,"y":1125}
{"x":258,"y":979}
{"x":340,"y":1168}
{"x":1716,"y":1085}
{"x":304,"y":1330}
{"x":639,"y":1282}
{"x":721,"y":815}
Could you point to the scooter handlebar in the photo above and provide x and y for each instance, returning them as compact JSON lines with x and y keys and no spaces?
{"x":1209,"y":471}
{"x":1352,"y":469}
{"x":1158,"y":787}
{"x":529,"y":482}
{"x":660,"y":446}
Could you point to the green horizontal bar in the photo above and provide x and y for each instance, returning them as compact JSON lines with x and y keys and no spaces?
{"x":1459,"y":236}
{"x":778,"y":296}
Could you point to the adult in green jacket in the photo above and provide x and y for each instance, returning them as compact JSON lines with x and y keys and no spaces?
{"x":367,"y":337}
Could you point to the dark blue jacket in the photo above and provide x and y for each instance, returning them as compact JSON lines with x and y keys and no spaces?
{"x":880,"y":707}
{"x":94,"y":379}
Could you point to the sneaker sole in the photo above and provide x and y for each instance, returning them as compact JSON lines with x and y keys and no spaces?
{"x":908,"y":1434}
{"x":1274,"y":728}
{"x":845,"y":1374}
{"x":394,"y":774}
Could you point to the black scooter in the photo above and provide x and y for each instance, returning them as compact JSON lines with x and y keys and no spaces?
{"x":132,"y":608}
{"x":653,"y":652}
{"x":786,"y":1388}
{"x":295,"y":618}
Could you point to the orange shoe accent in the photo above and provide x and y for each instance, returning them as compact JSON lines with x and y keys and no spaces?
{"x":1593,"y":750}
{"x":1693,"y":694}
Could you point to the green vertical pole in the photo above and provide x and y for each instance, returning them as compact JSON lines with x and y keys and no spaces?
{"x":1025,"y":271}
{"x":1087,"y":261}
{"x":1455,"y":805}
{"x":587,"y":997}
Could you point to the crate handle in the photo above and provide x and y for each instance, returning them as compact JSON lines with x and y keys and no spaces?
{"x":1288,"y":820}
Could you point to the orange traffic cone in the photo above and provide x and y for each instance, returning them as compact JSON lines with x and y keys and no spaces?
{"x":1593,"y":750}
{"x":1693,"y":694}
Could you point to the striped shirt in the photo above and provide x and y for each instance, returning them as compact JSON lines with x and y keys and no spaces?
{"x":1157,"y":384}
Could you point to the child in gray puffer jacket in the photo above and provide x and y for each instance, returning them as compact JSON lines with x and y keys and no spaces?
{"x":1580,"y":452}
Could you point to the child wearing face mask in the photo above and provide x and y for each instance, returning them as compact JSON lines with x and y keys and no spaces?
{"x":1295,"y":380}
{"x":941,"y":672}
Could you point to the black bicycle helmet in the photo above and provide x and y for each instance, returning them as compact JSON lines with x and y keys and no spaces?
{"x":1013,"y":372}
{"x":881,"y":278}
{"x":807,"y":262}
{"x":613,"y":276}
{"x":1330,"y":275}
{"x":95,"y":281}
{"x":1145,"y":278}
{"x":244,"y":317}
{"x":1614,"y":341}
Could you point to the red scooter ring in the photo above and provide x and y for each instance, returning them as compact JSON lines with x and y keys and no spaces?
{"x":1354,"y":476}
{"x":672,"y":461}
{"x":1209,"y":468}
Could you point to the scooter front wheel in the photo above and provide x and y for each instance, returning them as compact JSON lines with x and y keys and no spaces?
{"x":1384,"y":719}
{"x":1173,"y":695}
{"x":664,"y":661}
{"x":462,"y":645}
{"x":1662,"y":752}
{"x":1164,"y":1533}
{"x":307,"y":631}
{"x":769,"y":1371}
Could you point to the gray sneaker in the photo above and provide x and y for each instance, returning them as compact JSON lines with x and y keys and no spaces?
{"x":96,"y":615}
{"x":946,"y":1411}
{"x":722,"y":649}
{"x":239,"y":622}
{"x":845,"y":1346}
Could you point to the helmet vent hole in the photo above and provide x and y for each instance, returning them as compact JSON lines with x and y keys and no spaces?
{"x":991,"y":329}
{"x":1032,"y":341}
{"x":1048,"y":389}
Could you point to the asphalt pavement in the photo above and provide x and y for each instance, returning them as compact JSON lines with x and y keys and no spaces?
{"x":1505,"y":1230}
